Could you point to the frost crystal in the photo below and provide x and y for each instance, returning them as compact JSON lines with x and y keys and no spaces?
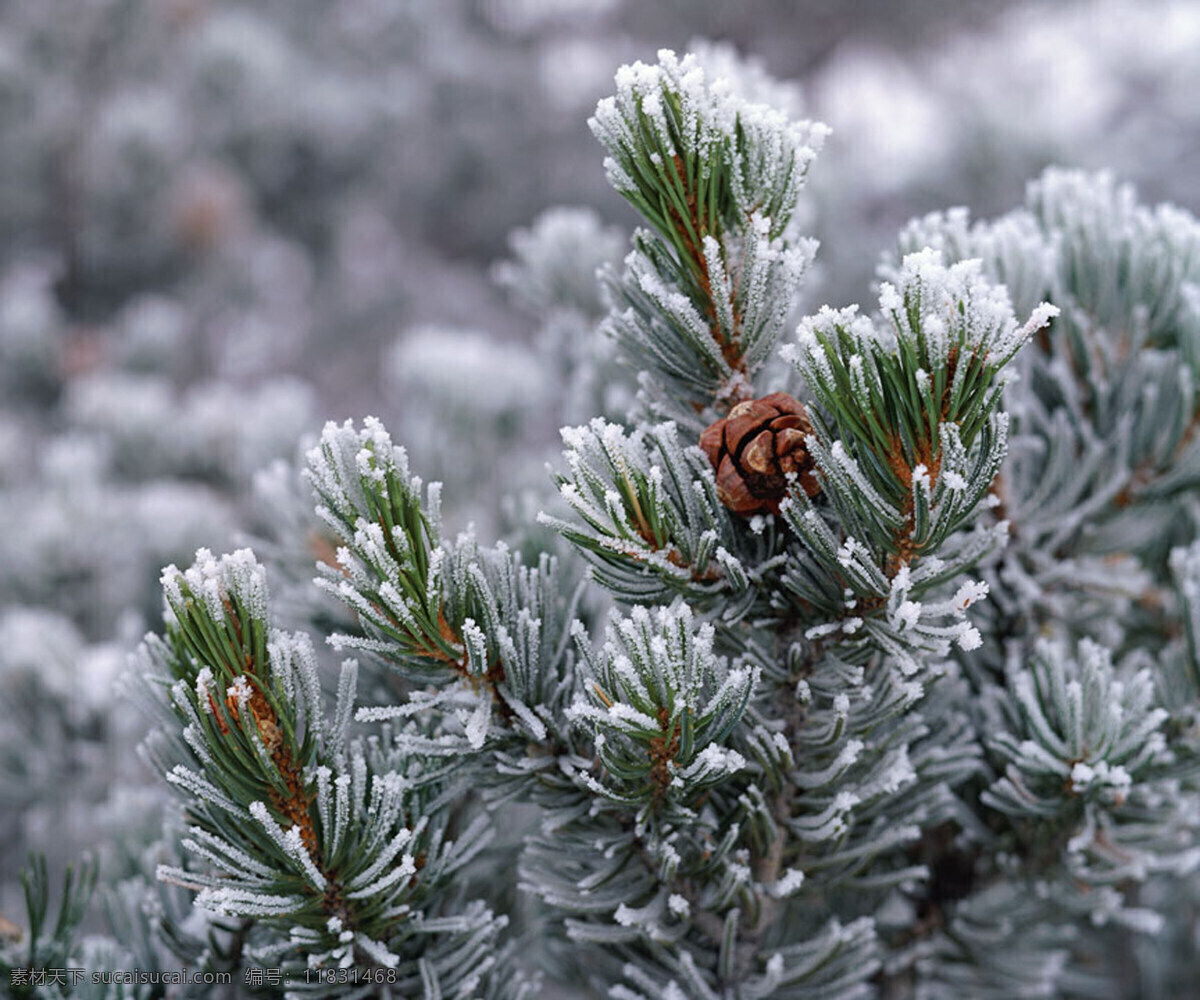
{"x":678,"y":905}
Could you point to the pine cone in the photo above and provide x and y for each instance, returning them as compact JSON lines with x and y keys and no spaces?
{"x":754,"y":448}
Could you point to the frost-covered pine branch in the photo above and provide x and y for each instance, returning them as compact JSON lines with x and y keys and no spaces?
{"x":851,"y":520}
{"x":43,"y":943}
{"x":707,"y":288}
{"x":1098,"y":488}
{"x":340,"y":846}
{"x":898,"y":692}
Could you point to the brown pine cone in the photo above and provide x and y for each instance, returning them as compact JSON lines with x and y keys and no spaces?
{"x":754,"y":448}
